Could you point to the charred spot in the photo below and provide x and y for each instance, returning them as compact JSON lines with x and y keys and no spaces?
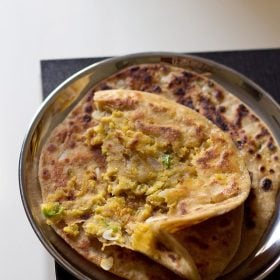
{"x":262,"y":169}
{"x":271,"y":171}
{"x":266,"y":184}
{"x":88,"y":109}
{"x":251,"y":151}
{"x":241,"y":112}
{"x":179,"y":91}
{"x":258,"y":156}
{"x":264,"y":132}
{"x":187,"y":101}
{"x":51,"y":148}
{"x":134,"y":68}
{"x":147,"y":79}
{"x":46,"y":174}
{"x":155,"y":89}
{"x":221,"y":123}
{"x":210,"y":112}
{"x":249,"y":214}
{"x":105,"y":87}
{"x":239,"y":144}
{"x":219,"y":95}
{"x":271,"y":146}
{"x":86,"y":118}
{"x":180,"y":82}
{"x":188,"y":75}
{"x":90,"y":96}
{"x":222,"y":109}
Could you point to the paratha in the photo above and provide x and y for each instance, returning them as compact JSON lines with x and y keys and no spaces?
{"x":251,"y":135}
{"x":205,"y":157}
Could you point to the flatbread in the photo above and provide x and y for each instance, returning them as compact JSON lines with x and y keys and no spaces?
{"x":252,"y":137}
{"x":68,"y":170}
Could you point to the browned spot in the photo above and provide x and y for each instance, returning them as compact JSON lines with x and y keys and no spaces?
{"x":166,"y":132}
{"x":208,"y":155}
{"x":222,"y":109}
{"x":98,"y":157}
{"x":157,"y":109}
{"x":60,"y":136}
{"x":71,"y":145}
{"x":271,"y":171}
{"x":46,"y":174}
{"x":262,"y":169}
{"x":276,"y":158}
{"x":120,"y":103}
{"x":241,"y":112}
{"x":266,"y":184}
{"x":51,"y":148}
{"x":258,"y":156}
{"x":251,"y":151}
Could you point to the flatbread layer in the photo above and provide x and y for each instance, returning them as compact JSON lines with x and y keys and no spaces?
{"x":251,"y":135}
{"x":75,"y":176}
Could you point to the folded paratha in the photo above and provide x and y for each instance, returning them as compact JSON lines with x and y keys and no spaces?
{"x":138,"y":169}
{"x":251,"y":135}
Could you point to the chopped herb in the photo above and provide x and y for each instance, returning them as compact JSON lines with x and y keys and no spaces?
{"x":115,"y":229}
{"x":166,"y":160}
{"x":51,"y":209}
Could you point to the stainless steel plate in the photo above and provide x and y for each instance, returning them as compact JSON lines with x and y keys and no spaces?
{"x":65,"y":97}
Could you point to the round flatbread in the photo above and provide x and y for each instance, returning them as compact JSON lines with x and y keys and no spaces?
{"x":251,"y":135}
{"x":139,"y":168}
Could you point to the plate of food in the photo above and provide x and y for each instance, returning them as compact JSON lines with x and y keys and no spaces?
{"x":155,"y":166}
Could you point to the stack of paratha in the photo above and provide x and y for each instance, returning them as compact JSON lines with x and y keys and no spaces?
{"x":150,"y":189}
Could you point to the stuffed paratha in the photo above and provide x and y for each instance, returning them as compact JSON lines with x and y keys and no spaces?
{"x":70,"y":173}
{"x":251,"y":135}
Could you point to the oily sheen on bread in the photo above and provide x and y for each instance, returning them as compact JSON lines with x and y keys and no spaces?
{"x":140,"y":168}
